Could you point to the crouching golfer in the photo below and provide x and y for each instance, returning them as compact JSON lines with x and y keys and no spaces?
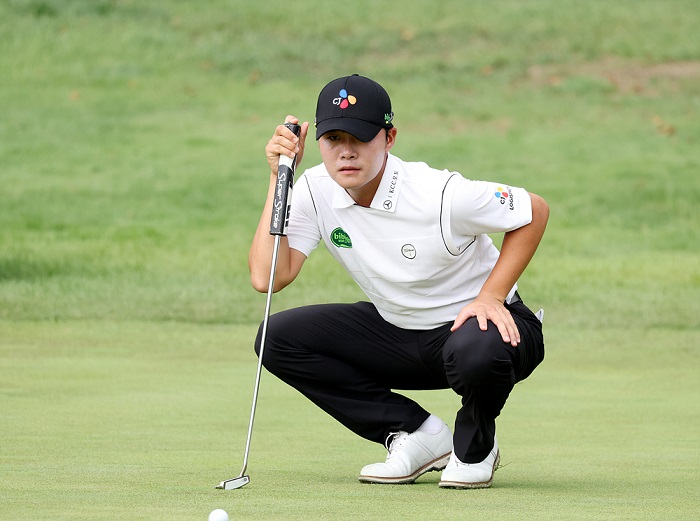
{"x":443,"y":308}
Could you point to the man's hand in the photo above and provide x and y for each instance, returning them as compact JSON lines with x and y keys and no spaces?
{"x":486,"y":308}
{"x":284,"y":142}
{"x":518,"y":247}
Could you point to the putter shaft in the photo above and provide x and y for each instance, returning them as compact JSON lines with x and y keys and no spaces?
{"x":278,"y":223}
{"x":242,"y":479}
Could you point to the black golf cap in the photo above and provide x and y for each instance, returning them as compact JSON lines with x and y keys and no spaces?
{"x":353,"y":104}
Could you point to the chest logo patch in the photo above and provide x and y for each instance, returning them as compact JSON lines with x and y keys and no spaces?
{"x":408,"y":251}
{"x":340,"y":238}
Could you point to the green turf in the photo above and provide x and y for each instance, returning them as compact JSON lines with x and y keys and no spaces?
{"x":138,"y":420}
{"x":132,"y":169}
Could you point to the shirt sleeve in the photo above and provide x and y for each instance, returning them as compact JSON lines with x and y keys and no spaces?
{"x":482,"y":207}
{"x":303,"y":232}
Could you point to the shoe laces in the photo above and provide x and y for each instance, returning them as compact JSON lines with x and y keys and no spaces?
{"x":393,"y":440}
{"x":389,"y":442}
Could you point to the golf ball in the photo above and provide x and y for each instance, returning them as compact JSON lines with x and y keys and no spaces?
{"x":218,"y":515}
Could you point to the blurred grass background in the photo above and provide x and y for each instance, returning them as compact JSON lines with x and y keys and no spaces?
{"x":133,"y":173}
{"x":132,"y":134}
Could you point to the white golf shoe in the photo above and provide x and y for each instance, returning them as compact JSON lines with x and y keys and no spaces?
{"x":410,"y":456}
{"x":471,"y":475}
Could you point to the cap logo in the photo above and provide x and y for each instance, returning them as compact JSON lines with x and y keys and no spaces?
{"x":344,"y":100}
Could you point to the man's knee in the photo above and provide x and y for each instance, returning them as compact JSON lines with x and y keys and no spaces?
{"x":258,"y":341}
{"x":271,"y":341}
{"x":473,"y":357}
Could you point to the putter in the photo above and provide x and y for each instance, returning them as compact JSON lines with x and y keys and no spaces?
{"x":281,"y":207}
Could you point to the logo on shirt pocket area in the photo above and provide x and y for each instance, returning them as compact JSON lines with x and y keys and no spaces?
{"x":340,"y":238}
{"x":408,"y":251}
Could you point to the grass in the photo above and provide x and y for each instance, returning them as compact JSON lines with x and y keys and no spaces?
{"x":131,"y":143}
{"x":139,"y":420}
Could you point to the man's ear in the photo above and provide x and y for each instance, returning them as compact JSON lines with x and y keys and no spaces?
{"x":390,"y":138}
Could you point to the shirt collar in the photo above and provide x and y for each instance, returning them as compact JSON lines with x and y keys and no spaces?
{"x":387,"y":192}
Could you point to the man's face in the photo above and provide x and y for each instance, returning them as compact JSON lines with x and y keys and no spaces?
{"x":354,"y":164}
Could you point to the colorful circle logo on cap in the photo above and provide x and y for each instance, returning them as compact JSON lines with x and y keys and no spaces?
{"x":345,"y":100}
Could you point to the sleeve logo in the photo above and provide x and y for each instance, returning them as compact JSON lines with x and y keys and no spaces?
{"x":503,"y":195}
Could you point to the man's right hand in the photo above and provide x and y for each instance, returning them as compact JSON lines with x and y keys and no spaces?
{"x":284,"y":142}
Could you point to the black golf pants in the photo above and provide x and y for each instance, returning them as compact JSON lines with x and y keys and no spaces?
{"x":347,"y":359}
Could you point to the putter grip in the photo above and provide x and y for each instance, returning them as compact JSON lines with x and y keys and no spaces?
{"x":281,"y":205}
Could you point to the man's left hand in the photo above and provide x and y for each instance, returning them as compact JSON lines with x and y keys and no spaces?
{"x":486,"y":308}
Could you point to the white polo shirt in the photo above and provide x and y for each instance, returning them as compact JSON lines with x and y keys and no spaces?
{"x":420,"y":251}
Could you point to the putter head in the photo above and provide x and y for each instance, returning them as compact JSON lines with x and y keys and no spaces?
{"x":231,"y":484}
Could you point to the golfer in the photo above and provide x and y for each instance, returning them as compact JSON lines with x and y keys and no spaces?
{"x":443,"y":309}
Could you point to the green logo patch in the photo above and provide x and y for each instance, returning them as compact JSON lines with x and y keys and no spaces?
{"x":340,"y":238}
